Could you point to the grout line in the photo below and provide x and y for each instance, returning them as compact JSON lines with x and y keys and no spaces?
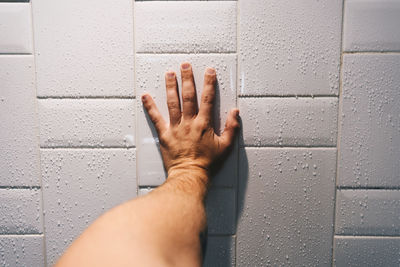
{"x":38,"y":136}
{"x":285,"y":147}
{"x":340,"y":188}
{"x":367,"y":236}
{"x":21,"y":235}
{"x":371,"y":52}
{"x":201,"y":53}
{"x":87,"y":147}
{"x":15,"y":54}
{"x":134,"y":93}
{"x":339,"y":129}
{"x":85,"y":97}
{"x":288,"y":96}
{"x":16,"y":187}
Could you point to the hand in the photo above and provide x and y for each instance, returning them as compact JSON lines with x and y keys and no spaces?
{"x":189,"y":142}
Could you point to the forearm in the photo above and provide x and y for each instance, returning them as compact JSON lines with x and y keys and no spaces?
{"x":162,"y":228}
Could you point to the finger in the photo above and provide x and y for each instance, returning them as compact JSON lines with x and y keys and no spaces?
{"x":153,"y":112}
{"x":174,"y":106}
{"x":231,"y":127}
{"x":189,"y":100}
{"x":208,"y":95}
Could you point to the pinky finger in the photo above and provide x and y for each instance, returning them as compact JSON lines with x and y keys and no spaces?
{"x":154,"y":114}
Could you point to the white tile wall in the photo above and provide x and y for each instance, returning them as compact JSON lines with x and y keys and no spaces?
{"x":286,"y":206}
{"x":289,"y":47}
{"x":370,"y":121}
{"x":15,"y":28}
{"x":289,"y":121}
{"x":286,"y":56}
{"x":371,"y":25}
{"x":20,"y":211}
{"x":83,"y":48}
{"x":185,"y":27}
{"x":367,"y":251}
{"x":21,"y":250}
{"x":150,"y":78}
{"x":368,"y":212}
{"x":19,"y":142}
{"x":78,"y":186}
{"x":87,"y":123}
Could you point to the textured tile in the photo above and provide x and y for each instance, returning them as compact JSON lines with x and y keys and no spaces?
{"x":289,"y":47}
{"x":289,"y":121}
{"x":368,"y":212}
{"x":366,"y":251}
{"x":221,"y":211}
{"x":78,"y":186}
{"x":87,"y":122}
{"x":19,"y":141}
{"x":84,"y":48}
{"x":371,"y":25}
{"x":150,"y":79}
{"x":20,"y":211}
{"x":185,"y":27}
{"x":370,"y":122}
{"x":286,"y":206}
{"x":220,"y":251}
{"x":15,"y":28}
{"x":21,"y":251}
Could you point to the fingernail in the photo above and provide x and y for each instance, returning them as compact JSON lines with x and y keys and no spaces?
{"x":210,"y":71}
{"x":237,"y":113}
{"x":144,"y":98}
{"x":185,"y":66}
{"x":170,"y":74}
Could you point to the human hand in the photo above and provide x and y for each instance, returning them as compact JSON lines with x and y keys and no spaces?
{"x":189,"y":142}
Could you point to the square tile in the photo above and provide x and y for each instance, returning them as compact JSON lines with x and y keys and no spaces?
{"x":150,"y":79}
{"x":220,"y":251}
{"x":286,"y":206}
{"x":289,"y":47}
{"x":78,"y":186}
{"x":371,"y":25}
{"x":84,"y":48}
{"x":185,"y":27}
{"x":20,"y":250}
{"x":221,"y":211}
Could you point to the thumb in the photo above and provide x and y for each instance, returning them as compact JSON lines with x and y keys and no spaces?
{"x":231,"y":127}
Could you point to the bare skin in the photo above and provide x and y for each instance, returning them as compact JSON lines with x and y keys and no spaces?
{"x":163,"y":228}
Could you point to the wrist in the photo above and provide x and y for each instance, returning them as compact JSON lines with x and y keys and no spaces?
{"x":189,"y":178}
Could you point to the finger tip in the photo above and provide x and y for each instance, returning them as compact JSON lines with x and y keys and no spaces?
{"x":145,"y":97}
{"x":170,"y":74}
{"x":186,"y":66}
{"x":210,"y":71}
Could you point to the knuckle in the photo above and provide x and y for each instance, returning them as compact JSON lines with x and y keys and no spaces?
{"x":188,"y":98}
{"x":208,"y":98}
{"x":173,"y":104}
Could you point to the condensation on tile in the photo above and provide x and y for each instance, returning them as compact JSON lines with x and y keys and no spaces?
{"x":87,"y":122}
{"x":289,"y":47}
{"x":371,"y":25}
{"x":185,"y":27}
{"x":150,"y":79}
{"x":370,"y":122}
{"x":368,"y":212}
{"x":78,"y":186}
{"x":289,"y":121}
{"x":84,"y":48}
{"x":285,"y":206}
{"x":21,"y":211}
{"x":21,"y":250}
{"x":19,"y":140}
